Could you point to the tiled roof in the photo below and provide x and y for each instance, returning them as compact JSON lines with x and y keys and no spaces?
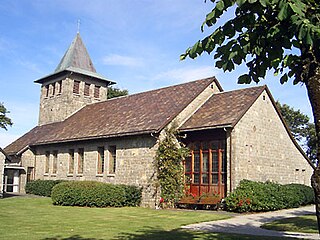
{"x":31,"y":137}
{"x":223,"y":109}
{"x":134,"y":114}
{"x":76,"y":56}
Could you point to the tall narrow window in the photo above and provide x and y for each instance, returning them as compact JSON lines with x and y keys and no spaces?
{"x":53,"y":88}
{"x":96,"y":91}
{"x":71,"y":161}
{"x":47,"y":163}
{"x":76,"y":87}
{"x":55,"y":162}
{"x":60,"y":87}
{"x":80,"y":160}
{"x":86,"y":89}
{"x":47,"y":90}
{"x":30,"y":174}
{"x":112,"y":159}
{"x":100,"y":167}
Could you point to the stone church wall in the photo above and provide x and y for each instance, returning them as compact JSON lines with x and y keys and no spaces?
{"x":134,"y":163}
{"x":263,"y":150}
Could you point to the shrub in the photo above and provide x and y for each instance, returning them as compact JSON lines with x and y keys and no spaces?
{"x":95,"y":194}
{"x":253,"y":196}
{"x":41,"y":187}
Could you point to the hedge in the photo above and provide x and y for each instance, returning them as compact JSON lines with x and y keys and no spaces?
{"x":252,"y":196}
{"x":41,"y":187}
{"x":95,"y":194}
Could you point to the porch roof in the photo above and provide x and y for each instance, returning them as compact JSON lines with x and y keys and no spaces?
{"x":223,"y":109}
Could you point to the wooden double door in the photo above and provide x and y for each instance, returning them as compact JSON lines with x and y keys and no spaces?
{"x":205,"y":168}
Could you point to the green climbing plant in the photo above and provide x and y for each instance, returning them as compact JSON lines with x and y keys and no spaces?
{"x":170,"y":175}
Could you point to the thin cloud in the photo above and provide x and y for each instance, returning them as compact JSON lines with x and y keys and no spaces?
{"x":119,"y":60}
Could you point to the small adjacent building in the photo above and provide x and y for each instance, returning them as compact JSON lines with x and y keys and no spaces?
{"x":82,"y":135}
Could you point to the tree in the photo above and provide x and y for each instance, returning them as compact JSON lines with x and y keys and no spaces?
{"x":302,"y":130}
{"x":116,"y":92}
{"x":4,"y":120}
{"x":168,"y":162}
{"x":278,"y":35}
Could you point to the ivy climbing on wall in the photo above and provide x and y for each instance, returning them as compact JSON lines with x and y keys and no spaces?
{"x":170,"y":174}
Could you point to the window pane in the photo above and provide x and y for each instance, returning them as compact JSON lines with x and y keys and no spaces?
{"x":205,"y":178}
{"x":96,"y":91}
{"x":100,"y":160}
{"x":53,"y":88}
{"x":71,"y":161}
{"x":205,"y":146}
{"x":112,"y":159}
{"x":47,"y":162}
{"x":80,"y":160}
{"x":197,"y":162}
{"x":47,"y":90}
{"x":215,"y":166}
{"x":188,"y":164}
{"x":196,"y":178}
{"x":76,"y":87}
{"x":87,"y":89}
{"x":214,"y":145}
{"x":197,"y":146}
{"x":205,"y":162}
{"x":55,"y":162}
{"x":215,"y":178}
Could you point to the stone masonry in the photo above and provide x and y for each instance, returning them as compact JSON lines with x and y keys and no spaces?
{"x":57,"y":106}
{"x":134,"y":163}
{"x":262,"y":149}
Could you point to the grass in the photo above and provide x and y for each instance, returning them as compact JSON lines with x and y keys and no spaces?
{"x":37,"y":218}
{"x":304,"y":224}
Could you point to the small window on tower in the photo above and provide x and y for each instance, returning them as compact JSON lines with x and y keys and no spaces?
{"x":96,"y":91}
{"x":47,"y":90}
{"x":76,"y":87}
{"x":53,"y":88}
{"x":60,"y":87}
{"x":87,"y":89}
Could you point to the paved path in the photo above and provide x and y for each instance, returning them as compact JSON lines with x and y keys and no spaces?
{"x":250,"y":224}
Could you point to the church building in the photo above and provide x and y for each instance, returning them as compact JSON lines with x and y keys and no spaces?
{"x":82,"y":135}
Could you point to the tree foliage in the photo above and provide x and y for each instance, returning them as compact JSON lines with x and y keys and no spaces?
{"x":4,"y":120}
{"x":170,"y":173}
{"x":116,"y":92}
{"x":260,"y":34}
{"x":302,"y":130}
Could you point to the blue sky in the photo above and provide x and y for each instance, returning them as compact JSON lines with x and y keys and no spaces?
{"x":136,"y":43}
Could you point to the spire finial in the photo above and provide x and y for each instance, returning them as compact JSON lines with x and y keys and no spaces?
{"x":78,"y":26}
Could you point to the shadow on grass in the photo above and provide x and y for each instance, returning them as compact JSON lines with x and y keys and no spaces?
{"x":161,"y":234}
{"x":302,"y":224}
{"x":74,"y":237}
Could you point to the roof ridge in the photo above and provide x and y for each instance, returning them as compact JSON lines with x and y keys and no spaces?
{"x":241,"y":89}
{"x":154,"y":90}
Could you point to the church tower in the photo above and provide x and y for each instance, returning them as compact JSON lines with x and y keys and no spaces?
{"x":74,"y":84}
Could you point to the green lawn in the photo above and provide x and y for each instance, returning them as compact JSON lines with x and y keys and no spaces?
{"x":37,"y":218}
{"x":304,"y":224}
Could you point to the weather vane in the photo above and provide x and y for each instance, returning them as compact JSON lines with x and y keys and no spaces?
{"x":78,"y":26}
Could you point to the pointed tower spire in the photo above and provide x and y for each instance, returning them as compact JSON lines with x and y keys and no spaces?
{"x":74,"y":84}
{"x":76,"y":57}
